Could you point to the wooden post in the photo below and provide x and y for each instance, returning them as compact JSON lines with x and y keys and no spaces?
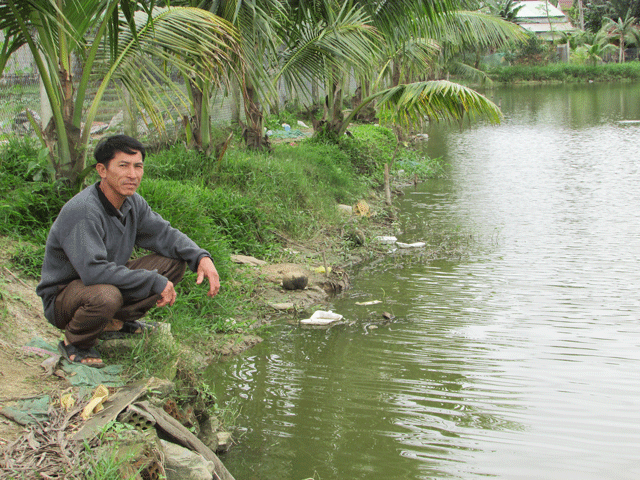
{"x":387,"y":186}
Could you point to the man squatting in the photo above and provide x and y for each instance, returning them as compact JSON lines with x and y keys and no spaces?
{"x":89,"y":285}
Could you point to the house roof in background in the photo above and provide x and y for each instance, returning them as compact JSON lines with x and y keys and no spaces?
{"x":533,"y":10}
{"x":544,"y":27}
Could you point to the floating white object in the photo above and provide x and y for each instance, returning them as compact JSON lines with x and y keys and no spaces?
{"x":372,"y":302}
{"x":386,"y":239}
{"x":411,"y":245}
{"x":321,"y":317}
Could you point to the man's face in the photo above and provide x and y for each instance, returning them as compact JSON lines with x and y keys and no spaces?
{"x":123,"y":175}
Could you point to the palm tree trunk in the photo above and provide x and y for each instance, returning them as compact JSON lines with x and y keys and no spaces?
{"x":67,"y":167}
{"x":195,"y":120}
{"x":252,"y":132}
{"x":395,"y":75}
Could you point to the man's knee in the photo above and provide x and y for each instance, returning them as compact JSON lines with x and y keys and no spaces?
{"x":107,"y":299}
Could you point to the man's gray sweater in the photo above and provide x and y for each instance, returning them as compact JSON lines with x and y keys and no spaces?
{"x":92,"y":241}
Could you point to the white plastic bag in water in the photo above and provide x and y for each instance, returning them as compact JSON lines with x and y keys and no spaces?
{"x":322,"y":318}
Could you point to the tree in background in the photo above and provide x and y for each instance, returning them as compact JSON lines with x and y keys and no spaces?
{"x":106,"y":38}
{"x":465,"y":36}
{"x":624,"y":31}
{"x":506,"y":9}
{"x":259,"y":40}
{"x":408,"y":34}
{"x":595,"y":11}
{"x":325,"y":42}
{"x":593,"y":50}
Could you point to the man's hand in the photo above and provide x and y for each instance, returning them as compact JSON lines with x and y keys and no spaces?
{"x":207,"y":269}
{"x":168,"y":296}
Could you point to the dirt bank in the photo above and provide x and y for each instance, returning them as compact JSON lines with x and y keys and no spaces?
{"x":21,"y":319}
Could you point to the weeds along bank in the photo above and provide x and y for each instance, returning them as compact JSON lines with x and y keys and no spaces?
{"x":566,"y":72}
{"x":245,"y":203}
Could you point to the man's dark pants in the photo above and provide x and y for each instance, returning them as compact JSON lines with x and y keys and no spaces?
{"x":83,"y":312}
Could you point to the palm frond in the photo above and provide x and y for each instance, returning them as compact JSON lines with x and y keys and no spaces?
{"x":474,"y":28}
{"x":348,"y":43}
{"x":439,"y":100}
{"x":194,"y":41}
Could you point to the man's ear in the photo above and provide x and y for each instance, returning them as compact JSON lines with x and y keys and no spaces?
{"x":101,"y":169}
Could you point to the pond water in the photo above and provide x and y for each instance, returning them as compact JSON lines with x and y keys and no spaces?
{"x":517,"y":359}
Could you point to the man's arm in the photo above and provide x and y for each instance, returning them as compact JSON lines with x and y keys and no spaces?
{"x":207,"y":269}
{"x":156,"y":234}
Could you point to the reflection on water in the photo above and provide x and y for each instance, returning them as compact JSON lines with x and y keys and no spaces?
{"x":520,"y":360}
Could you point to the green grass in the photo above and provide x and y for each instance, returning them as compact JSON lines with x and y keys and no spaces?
{"x":566,"y":72}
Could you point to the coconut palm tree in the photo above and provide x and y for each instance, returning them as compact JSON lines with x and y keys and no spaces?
{"x":460,"y":33}
{"x":405,"y":54}
{"x":254,"y":19}
{"x":623,"y":30}
{"x":99,"y":33}
{"x":326,"y":42}
{"x":591,"y":54}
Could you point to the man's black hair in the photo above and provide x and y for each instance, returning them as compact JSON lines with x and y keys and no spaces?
{"x":108,"y":147}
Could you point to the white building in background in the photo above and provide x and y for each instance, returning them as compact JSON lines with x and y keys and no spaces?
{"x":543,"y":19}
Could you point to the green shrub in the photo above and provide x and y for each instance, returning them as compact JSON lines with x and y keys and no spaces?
{"x":188,"y":208}
{"x":566,"y":72}
{"x":411,"y":164}
{"x":274,"y":122}
{"x":369,"y":147}
{"x":296,"y":186}
{"x":23,"y":160}
{"x":533,"y":51}
{"x":30,"y":198}
{"x":30,"y":209}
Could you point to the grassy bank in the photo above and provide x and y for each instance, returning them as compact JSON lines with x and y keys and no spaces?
{"x":246,"y":203}
{"x":565,"y":72}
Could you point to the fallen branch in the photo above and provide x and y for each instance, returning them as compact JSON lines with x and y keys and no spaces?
{"x":14,"y":276}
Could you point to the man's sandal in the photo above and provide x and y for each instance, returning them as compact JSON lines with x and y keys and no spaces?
{"x":129,"y":329}
{"x":67,"y":351}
